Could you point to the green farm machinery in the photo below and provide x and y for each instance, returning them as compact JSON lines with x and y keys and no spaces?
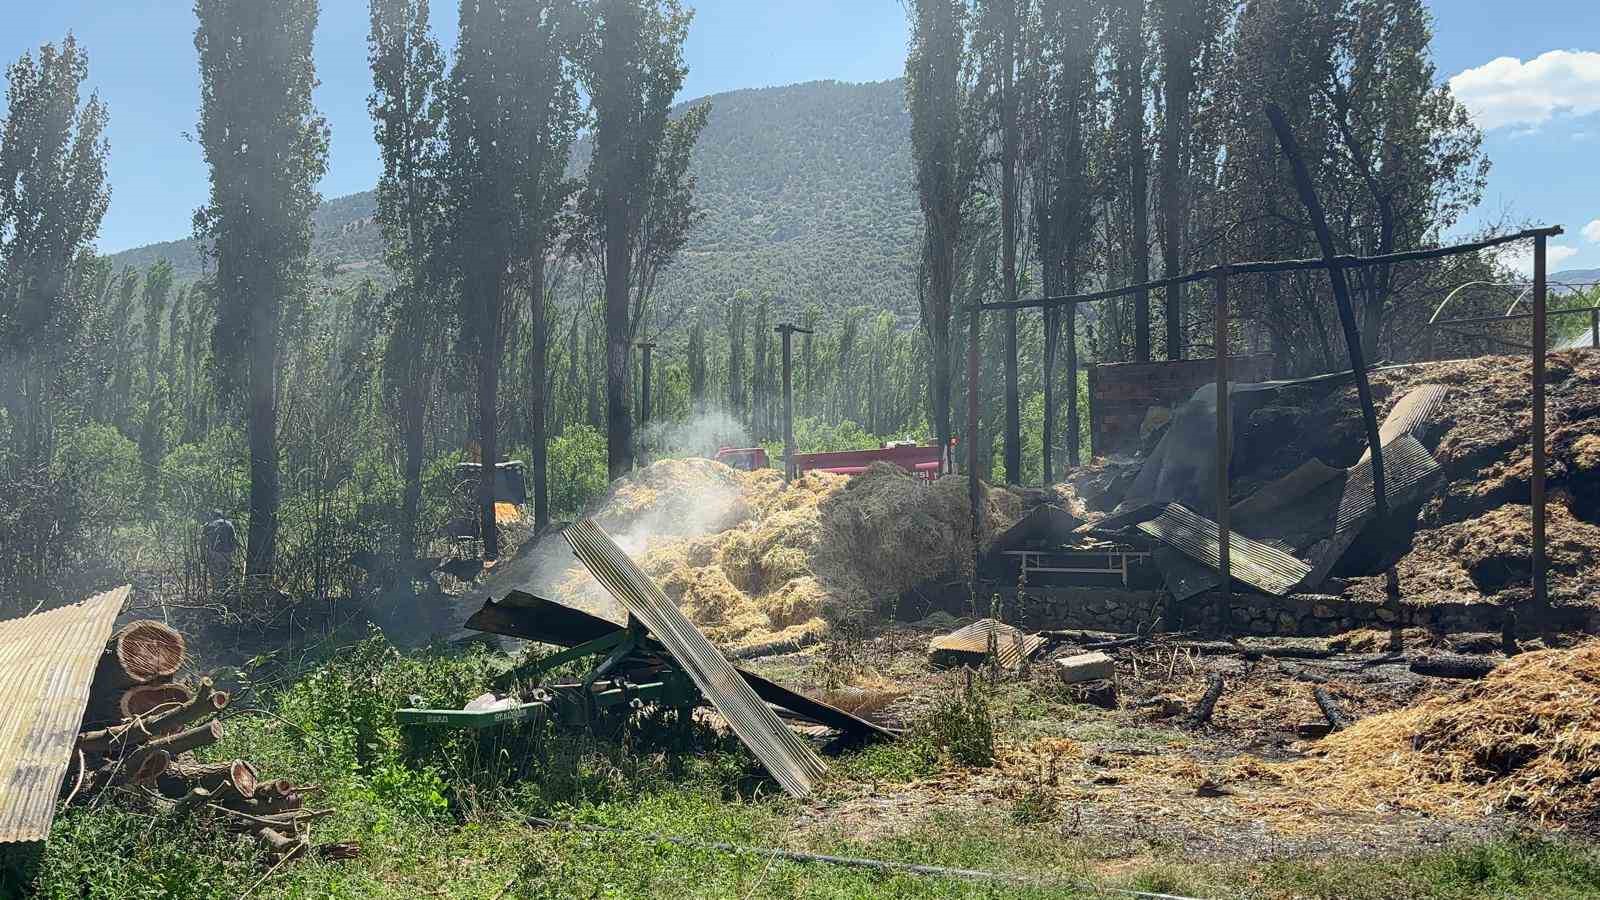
{"x":657,"y":658}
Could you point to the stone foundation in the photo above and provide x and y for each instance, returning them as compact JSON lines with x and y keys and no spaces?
{"x":1304,"y":615}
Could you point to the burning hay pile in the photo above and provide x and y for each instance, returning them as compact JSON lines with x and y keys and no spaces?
{"x":144,"y":728}
{"x":1525,"y":740}
{"x":751,"y":559}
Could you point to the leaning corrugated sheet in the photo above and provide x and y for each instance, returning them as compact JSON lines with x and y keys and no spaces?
{"x":789,"y":759}
{"x":47,"y":664}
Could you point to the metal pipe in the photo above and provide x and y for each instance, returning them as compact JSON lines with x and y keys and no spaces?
{"x":1482,"y":320}
{"x":1345,"y":261}
{"x":1224,"y":455}
{"x":1540,"y":595}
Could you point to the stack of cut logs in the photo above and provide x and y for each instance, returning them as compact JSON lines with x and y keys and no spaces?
{"x":142,"y":726}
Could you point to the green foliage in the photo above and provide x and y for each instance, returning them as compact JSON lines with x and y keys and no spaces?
{"x":960,"y":725}
{"x":577,"y":469}
{"x":199,"y":477}
{"x":108,"y":465}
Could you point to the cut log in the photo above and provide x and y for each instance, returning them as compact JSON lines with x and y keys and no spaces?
{"x":142,"y":652}
{"x":142,"y":699}
{"x":1338,"y":720}
{"x":239,"y":776}
{"x":184,"y":741}
{"x":116,"y":740}
{"x":285,"y":846}
{"x":143,"y":767}
{"x":339,"y":851}
{"x":207,"y":700}
{"x":1208,"y":701}
{"x":1452,"y":665}
{"x":272,"y":805}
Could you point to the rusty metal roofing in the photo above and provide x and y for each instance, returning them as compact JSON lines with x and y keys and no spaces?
{"x":788,"y":758}
{"x":47,"y":664}
{"x":1410,"y":415}
{"x":1250,"y":561}
{"x":1011,"y":645}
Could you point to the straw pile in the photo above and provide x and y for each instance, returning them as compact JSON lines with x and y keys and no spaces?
{"x":750,"y":559}
{"x":1525,"y":740}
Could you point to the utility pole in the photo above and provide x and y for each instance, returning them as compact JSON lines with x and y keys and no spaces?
{"x":787,"y":331}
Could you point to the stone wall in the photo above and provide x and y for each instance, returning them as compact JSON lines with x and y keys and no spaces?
{"x":1308,"y":615}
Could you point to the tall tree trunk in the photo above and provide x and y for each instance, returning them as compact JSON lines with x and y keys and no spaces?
{"x":1177,"y":85}
{"x":1074,"y":427}
{"x":1009,"y":140}
{"x":262,"y":545}
{"x":539,"y":390}
{"x":414,"y":401}
{"x":619,"y":423}
{"x":1049,"y":436}
{"x":1132,"y":76}
{"x":488,"y":412}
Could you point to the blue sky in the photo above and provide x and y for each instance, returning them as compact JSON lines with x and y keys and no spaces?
{"x":1540,"y":108}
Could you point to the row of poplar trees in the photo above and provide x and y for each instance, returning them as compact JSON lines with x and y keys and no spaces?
{"x":1084,"y":137}
{"x":474,"y":200}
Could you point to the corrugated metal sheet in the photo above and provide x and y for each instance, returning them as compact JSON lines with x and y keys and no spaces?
{"x":47,"y":664}
{"x":1250,"y":561}
{"x":788,"y":758}
{"x":1407,"y":465}
{"x":1011,"y":645}
{"x":1410,"y":416}
{"x":522,"y":615}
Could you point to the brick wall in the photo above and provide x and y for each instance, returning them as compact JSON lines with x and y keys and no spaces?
{"x":1121,"y":393}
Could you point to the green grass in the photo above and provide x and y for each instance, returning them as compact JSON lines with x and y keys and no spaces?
{"x":445,"y":815}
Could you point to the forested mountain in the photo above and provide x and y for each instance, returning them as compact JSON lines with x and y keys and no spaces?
{"x":806,"y":191}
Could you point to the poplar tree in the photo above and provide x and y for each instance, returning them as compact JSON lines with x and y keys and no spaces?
{"x":53,"y":196}
{"x":407,"y":108}
{"x":638,"y":199}
{"x":944,"y":148}
{"x":267,"y":148}
{"x":513,"y":114}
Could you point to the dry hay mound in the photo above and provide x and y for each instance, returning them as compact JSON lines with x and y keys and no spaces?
{"x":1525,"y":740}
{"x":776,"y":561}
{"x":682,"y":497}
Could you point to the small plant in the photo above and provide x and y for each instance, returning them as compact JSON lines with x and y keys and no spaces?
{"x":961,"y":726}
{"x":1033,"y":806}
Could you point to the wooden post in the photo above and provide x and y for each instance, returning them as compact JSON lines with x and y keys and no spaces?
{"x":787,"y":331}
{"x":1594,"y":328}
{"x":1049,"y":435}
{"x":1541,"y":596}
{"x":1224,"y":454}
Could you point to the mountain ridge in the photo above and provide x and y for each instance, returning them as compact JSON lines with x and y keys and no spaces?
{"x":806,"y":191}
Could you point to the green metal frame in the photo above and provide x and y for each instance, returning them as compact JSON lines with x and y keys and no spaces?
{"x":587,"y":698}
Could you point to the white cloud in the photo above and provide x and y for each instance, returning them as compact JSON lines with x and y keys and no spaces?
{"x":1508,"y":91}
{"x":1592,"y":231}
{"x":1518,"y":257}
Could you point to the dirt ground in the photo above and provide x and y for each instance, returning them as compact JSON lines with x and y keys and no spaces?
{"x":1141,"y":777}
